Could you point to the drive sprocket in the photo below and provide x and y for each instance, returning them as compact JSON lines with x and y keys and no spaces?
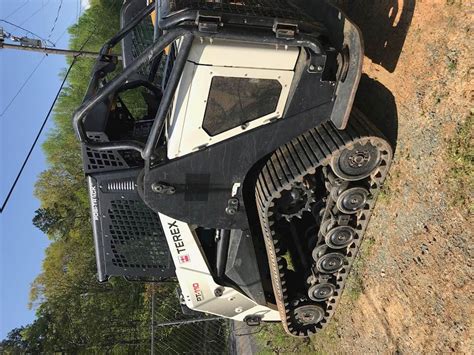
{"x":294,"y":202}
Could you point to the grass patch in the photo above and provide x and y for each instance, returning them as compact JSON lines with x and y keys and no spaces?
{"x":289,"y":262}
{"x":384,"y":194}
{"x":273,"y":340}
{"x":452,"y":65}
{"x":354,"y":285}
{"x":461,"y":173}
{"x":354,"y":282}
{"x":327,"y":341}
{"x":452,"y":60}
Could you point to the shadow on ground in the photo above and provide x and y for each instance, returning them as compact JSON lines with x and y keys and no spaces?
{"x":378,"y":104}
{"x":384,"y":27}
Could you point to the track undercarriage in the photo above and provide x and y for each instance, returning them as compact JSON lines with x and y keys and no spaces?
{"x":315,"y":196}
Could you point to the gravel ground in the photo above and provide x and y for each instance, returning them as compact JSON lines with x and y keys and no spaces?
{"x":415,"y":275}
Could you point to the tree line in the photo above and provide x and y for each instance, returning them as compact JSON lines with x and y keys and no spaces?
{"x":75,"y":313}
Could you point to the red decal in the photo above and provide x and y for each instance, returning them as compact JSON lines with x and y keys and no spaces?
{"x":184,"y":259}
{"x":197,"y":292}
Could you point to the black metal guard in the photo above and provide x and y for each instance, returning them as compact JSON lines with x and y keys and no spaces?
{"x":260,"y":13}
{"x":114,"y":85}
{"x":167,"y":98}
{"x":105,"y":65}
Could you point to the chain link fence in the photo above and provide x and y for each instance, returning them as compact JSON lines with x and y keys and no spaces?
{"x":175,"y":329}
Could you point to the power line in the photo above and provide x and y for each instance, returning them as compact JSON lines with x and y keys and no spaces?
{"x":16,"y":10}
{"x":35,"y":141}
{"x":59,"y":51}
{"x":22,"y":86}
{"x":42,"y":59}
{"x":42,"y":127}
{"x":56,"y":19}
{"x":27,"y":31}
{"x":60,"y":36}
{"x":34,"y":13}
{"x":46,"y":50}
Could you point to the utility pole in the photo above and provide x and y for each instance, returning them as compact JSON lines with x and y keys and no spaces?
{"x":35,"y":45}
{"x":48,"y":50}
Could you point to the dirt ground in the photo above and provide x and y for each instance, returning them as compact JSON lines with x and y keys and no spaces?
{"x":412,"y":289}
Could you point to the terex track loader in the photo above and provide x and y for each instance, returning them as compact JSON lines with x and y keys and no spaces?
{"x":250,"y":177}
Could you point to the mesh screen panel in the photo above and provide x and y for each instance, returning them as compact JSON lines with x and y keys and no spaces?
{"x":103,"y":160}
{"x":258,"y":8}
{"x":137,"y":240}
{"x":129,"y":238}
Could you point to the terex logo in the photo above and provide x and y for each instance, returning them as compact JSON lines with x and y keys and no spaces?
{"x":197,"y":292}
{"x":178,"y":242}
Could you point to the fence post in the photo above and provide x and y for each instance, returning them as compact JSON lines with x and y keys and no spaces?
{"x":153,"y":320}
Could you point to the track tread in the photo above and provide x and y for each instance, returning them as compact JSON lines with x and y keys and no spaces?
{"x":289,"y":165}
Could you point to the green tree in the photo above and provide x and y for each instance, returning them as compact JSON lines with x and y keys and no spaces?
{"x":14,"y":342}
{"x":75,"y":313}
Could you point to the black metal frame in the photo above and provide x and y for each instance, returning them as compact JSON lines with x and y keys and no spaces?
{"x":260,"y":13}
{"x":105,"y":64}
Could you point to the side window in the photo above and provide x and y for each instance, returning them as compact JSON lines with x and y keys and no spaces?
{"x":234,"y":101}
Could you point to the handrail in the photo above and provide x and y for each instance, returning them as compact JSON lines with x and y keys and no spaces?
{"x":188,"y":33}
{"x":114,"y":85}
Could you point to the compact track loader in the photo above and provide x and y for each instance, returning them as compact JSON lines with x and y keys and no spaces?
{"x":249,"y":177}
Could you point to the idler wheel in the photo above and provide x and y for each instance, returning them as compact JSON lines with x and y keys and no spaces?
{"x":321,"y":292}
{"x":352,"y":200}
{"x":340,"y":237}
{"x":357,"y":162}
{"x":309,"y":314}
{"x":330,"y":263}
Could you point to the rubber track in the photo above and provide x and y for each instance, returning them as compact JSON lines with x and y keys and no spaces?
{"x":289,"y":165}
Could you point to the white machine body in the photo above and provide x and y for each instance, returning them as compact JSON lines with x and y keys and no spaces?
{"x":200,"y":291}
{"x":224,"y":59}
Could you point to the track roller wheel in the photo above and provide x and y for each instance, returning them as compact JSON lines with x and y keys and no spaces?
{"x":319,"y":251}
{"x":308,"y":314}
{"x":352,"y":200}
{"x":321,"y":292}
{"x":326,"y":226}
{"x":338,"y":189}
{"x":340,"y":237}
{"x":357,"y":162}
{"x":330,"y":263}
{"x":336,"y":185}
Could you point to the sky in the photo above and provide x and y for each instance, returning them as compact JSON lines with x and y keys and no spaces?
{"x":22,"y":245}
